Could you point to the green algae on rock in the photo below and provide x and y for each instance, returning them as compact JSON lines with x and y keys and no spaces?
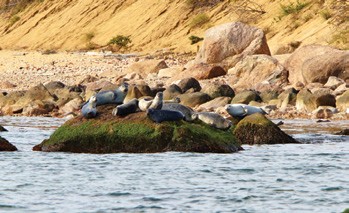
{"x":136,"y":133}
{"x":257,"y":129}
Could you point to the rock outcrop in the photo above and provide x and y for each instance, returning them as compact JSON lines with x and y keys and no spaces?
{"x":6,"y":146}
{"x":257,"y":129}
{"x":136,"y":133}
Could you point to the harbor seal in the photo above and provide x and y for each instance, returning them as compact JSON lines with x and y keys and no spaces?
{"x":148,"y":103}
{"x":213,"y":119}
{"x":159,"y":115}
{"x":125,"y":109}
{"x":89,"y":109}
{"x":241,"y":110}
{"x":187,"y":111}
{"x":116,"y":96}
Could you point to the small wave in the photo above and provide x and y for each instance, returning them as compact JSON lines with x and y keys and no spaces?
{"x":4,"y":206}
{"x":118,"y":194}
{"x":152,"y":199}
{"x":335,"y":188}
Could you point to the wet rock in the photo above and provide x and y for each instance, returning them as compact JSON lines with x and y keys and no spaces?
{"x":6,"y":146}
{"x":136,"y":133}
{"x":3,"y":129}
{"x":343,"y":132}
{"x":257,"y":129}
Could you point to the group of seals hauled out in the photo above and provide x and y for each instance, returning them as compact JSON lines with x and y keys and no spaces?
{"x":158,"y":110}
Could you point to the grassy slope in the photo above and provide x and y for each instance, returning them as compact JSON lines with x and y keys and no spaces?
{"x":152,"y":26}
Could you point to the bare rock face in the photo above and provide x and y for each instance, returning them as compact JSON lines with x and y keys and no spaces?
{"x":227,"y":43}
{"x":271,"y":74}
{"x":316,"y":63}
{"x":146,"y":67}
{"x":6,"y":146}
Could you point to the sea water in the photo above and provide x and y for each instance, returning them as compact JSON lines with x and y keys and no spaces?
{"x":308,"y":177}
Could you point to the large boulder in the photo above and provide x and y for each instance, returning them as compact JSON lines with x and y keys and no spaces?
{"x":189,"y":83}
{"x":245,"y":97}
{"x":257,"y":129}
{"x":271,"y":74}
{"x":215,"y":90}
{"x":136,"y":133}
{"x":308,"y":101}
{"x":227,"y":43}
{"x":6,"y":146}
{"x":194,"y":99}
{"x":316,"y":63}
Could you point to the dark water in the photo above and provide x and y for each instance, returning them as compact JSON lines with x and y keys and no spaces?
{"x":310,"y":177}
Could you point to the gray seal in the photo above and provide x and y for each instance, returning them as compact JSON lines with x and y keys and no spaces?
{"x":148,"y":103}
{"x":187,"y":111}
{"x":125,"y":109}
{"x":213,"y":119}
{"x":116,"y":96}
{"x":241,"y":110}
{"x":89,"y":109}
{"x":159,"y":115}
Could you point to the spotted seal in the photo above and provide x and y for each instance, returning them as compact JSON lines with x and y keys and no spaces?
{"x":89,"y":109}
{"x":213,"y":119}
{"x":148,"y":103}
{"x":241,"y":110}
{"x":159,"y":115}
{"x":187,"y":111}
{"x":125,"y":109}
{"x":116,"y":96}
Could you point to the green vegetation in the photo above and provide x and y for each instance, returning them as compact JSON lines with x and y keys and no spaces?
{"x":120,"y":41}
{"x":199,"y":20}
{"x":14,"y":19}
{"x":139,"y":134}
{"x":292,"y":8}
{"x":195,"y":39}
{"x":202,"y":3}
{"x":325,"y":14}
{"x":89,"y":36}
{"x":340,"y":39}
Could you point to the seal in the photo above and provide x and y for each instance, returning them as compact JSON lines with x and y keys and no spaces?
{"x":187,"y":111}
{"x":148,"y":103}
{"x":116,"y":96}
{"x":159,"y":115}
{"x":125,"y":109}
{"x":241,"y":110}
{"x":89,"y":109}
{"x":213,"y":119}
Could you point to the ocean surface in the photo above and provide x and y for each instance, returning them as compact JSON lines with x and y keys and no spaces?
{"x":309,"y":177}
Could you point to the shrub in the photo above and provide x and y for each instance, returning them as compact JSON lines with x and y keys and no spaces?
{"x":89,"y":36}
{"x":293,"y":7}
{"x":120,"y":41}
{"x":325,"y":14}
{"x":14,"y":19}
{"x":195,"y":39}
{"x":202,"y":3}
{"x":199,"y":20}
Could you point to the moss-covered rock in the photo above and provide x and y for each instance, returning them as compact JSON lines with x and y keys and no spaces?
{"x":136,"y":133}
{"x":257,"y":129}
{"x":6,"y":146}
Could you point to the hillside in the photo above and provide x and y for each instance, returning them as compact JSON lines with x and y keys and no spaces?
{"x":83,"y":24}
